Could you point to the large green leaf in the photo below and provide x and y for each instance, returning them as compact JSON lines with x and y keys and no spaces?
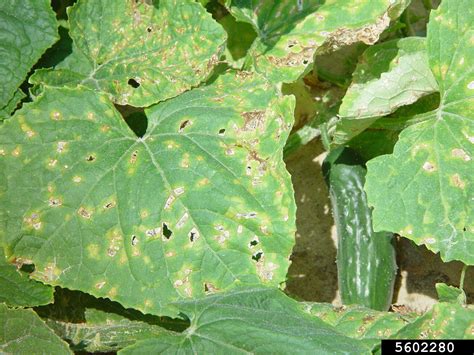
{"x":424,"y":190}
{"x":201,"y":202}
{"x":249,"y":320}
{"x":28,"y":28}
{"x":23,"y":332}
{"x":104,"y":332}
{"x":290,"y":32}
{"x":389,"y":75}
{"x":443,"y":321}
{"x":359,"y":322}
{"x":16,"y":289}
{"x":138,"y":53}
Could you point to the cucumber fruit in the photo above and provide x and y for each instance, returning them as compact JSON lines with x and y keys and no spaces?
{"x":366,"y":264}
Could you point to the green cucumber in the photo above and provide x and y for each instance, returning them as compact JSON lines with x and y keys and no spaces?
{"x":366,"y":264}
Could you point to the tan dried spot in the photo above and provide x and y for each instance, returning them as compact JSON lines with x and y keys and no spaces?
{"x":460,"y":153}
{"x":52,"y":162}
{"x":16,"y":152}
{"x":91,"y":116}
{"x":209,"y":288}
{"x":193,"y":235}
{"x":179,"y":191}
{"x":105,"y":128}
{"x":230,"y":151}
{"x":144,"y":213}
{"x":30,"y":133}
{"x":169,"y":201}
{"x":133,"y":157}
{"x":170,"y":254}
{"x":54,"y":202}
{"x":99,"y":285}
{"x":112,"y":292}
{"x":457,"y":181}
{"x":203,"y":182}
{"x":60,"y":147}
{"x":253,"y":120}
{"x":247,"y":215}
{"x":153,"y":232}
{"x":429,"y":167}
{"x":240,"y":229}
{"x":470,"y":86}
{"x":84,"y":213}
{"x":77,"y":179}
{"x":2,"y":152}
{"x":148,"y":303}
{"x":182,"y":220}
{"x":185,"y":161}
{"x":110,"y":204}
{"x":55,"y":115}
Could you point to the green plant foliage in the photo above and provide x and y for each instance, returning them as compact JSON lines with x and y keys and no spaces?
{"x":16,"y":289}
{"x":250,"y":320}
{"x":23,"y":332}
{"x":450,"y":294}
{"x":104,"y":332}
{"x":8,"y":109}
{"x":359,"y":322}
{"x":28,"y":28}
{"x":201,"y":202}
{"x":389,"y":75}
{"x":429,"y":174}
{"x":138,"y":53}
{"x":290,"y":32}
{"x":444,"y":321}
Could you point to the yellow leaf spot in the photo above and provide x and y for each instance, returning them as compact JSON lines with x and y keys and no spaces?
{"x":93,"y":250}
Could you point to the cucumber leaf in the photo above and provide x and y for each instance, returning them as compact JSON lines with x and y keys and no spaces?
{"x":424,"y":190}
{"x":359,"y":322}
{"x":290,"y":32}
{"x":16,"y":289}
{"x":249,"y":320}
{"x":198,"y":204}
{"x":23,"y":332}
{"x":389,"y":75}
{"x":443,"y":321}
{"x":28,"y":28}
{"x":138,"y":53}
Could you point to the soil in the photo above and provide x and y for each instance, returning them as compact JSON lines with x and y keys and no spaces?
{"x":313,"y":273}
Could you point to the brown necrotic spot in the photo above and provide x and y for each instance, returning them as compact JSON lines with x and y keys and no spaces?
{"x":54,"y":202}
{"x":193,"y":235}
{"x":84,"y":213}
{"x":184,"y":124}
{"x":90,"y":158}
{"x":133,"y":157}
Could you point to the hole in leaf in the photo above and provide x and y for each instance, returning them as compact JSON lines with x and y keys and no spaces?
{"x":133,"y":83}
{"x":183,"y":125}
{"x":134,"y":240}
{"x":222,"y":131}
{"x":166,"y":232}
{"x":192,"y":235}
{"x":149,"y":29}
{"x":464,"y":229}
{"x":135,"y":118}
{"x":28,"y":268}
{"x":253,"y":243}
{"x":305,"y":61}
{"x":90,"y":158}
{"x":257,"y":256}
